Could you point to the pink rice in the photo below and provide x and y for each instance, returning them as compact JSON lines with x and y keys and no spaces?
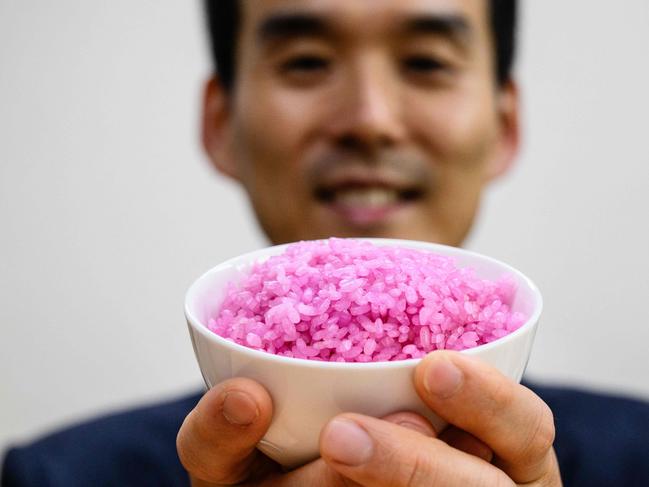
{"x":348,"y":300}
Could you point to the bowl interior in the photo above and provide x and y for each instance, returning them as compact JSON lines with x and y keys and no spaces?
{"x":206,"y":295}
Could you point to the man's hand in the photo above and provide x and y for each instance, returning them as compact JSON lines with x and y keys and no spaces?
{"x":501,"y":434}
{"x":217,"y":441}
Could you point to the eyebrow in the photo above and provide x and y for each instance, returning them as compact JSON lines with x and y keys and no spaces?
{"x":288,"y":25}
{"x":455,"y":27}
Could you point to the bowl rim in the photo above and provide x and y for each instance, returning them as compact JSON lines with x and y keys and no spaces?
{"x":447,"y":250}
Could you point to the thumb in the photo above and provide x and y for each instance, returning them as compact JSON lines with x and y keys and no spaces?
{"x":216,"y":442}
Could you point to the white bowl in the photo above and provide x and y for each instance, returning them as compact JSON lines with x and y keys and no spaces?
{"x":306,"y":393}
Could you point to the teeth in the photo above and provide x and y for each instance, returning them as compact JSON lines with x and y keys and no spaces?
{"x":366,"y":197}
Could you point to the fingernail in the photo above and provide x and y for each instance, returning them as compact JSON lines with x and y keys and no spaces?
{"x":442,"y":378}
{"x":346,"y":442}
{"x":239,"y":408}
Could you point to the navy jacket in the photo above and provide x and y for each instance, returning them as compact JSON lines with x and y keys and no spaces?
{"x":601,"y":440}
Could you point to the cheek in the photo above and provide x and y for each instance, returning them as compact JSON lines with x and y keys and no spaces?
{"x":257,"y":131}
{"x":270,"y":135}
{"x":271,"y":130}
{"x":457,"y":130}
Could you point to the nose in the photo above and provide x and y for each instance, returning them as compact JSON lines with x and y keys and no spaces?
{"x":367,"y":114}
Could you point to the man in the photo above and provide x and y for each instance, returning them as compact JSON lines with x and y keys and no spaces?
{"x":362,"y":118}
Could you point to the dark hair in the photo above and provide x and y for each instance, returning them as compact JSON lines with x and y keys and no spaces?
{"x":503,"y":15}
{"x":223,"y":17}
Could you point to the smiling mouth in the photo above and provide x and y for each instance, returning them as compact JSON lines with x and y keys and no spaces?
{"x":367,"y":203}
{"x":366,"y":195}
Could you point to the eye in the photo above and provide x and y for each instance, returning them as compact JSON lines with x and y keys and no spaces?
{"x":305,"y":64}
{"x":421,"y":64}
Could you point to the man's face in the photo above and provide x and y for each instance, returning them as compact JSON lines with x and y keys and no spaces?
{"x":356,"y":118}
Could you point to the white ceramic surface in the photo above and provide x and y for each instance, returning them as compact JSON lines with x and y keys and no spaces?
{"x":306,"y":394}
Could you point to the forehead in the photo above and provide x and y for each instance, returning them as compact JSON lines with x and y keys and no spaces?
{"x":366,"y":17}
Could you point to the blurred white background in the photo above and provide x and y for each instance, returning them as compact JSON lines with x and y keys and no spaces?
{"x":108,"y":210}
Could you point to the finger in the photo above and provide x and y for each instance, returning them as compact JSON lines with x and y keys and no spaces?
{"x":376,"y":453}
{"x":316,"y":472}
{"x":509,"y":418}
{"x":216,"y":442}
{"x":320,"y":474}
{"x":412,"y":421}
{"x":466,"y":442}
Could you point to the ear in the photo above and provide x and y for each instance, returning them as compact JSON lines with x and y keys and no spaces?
{"x":216,"y":130}
{"x":508,"y":144}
